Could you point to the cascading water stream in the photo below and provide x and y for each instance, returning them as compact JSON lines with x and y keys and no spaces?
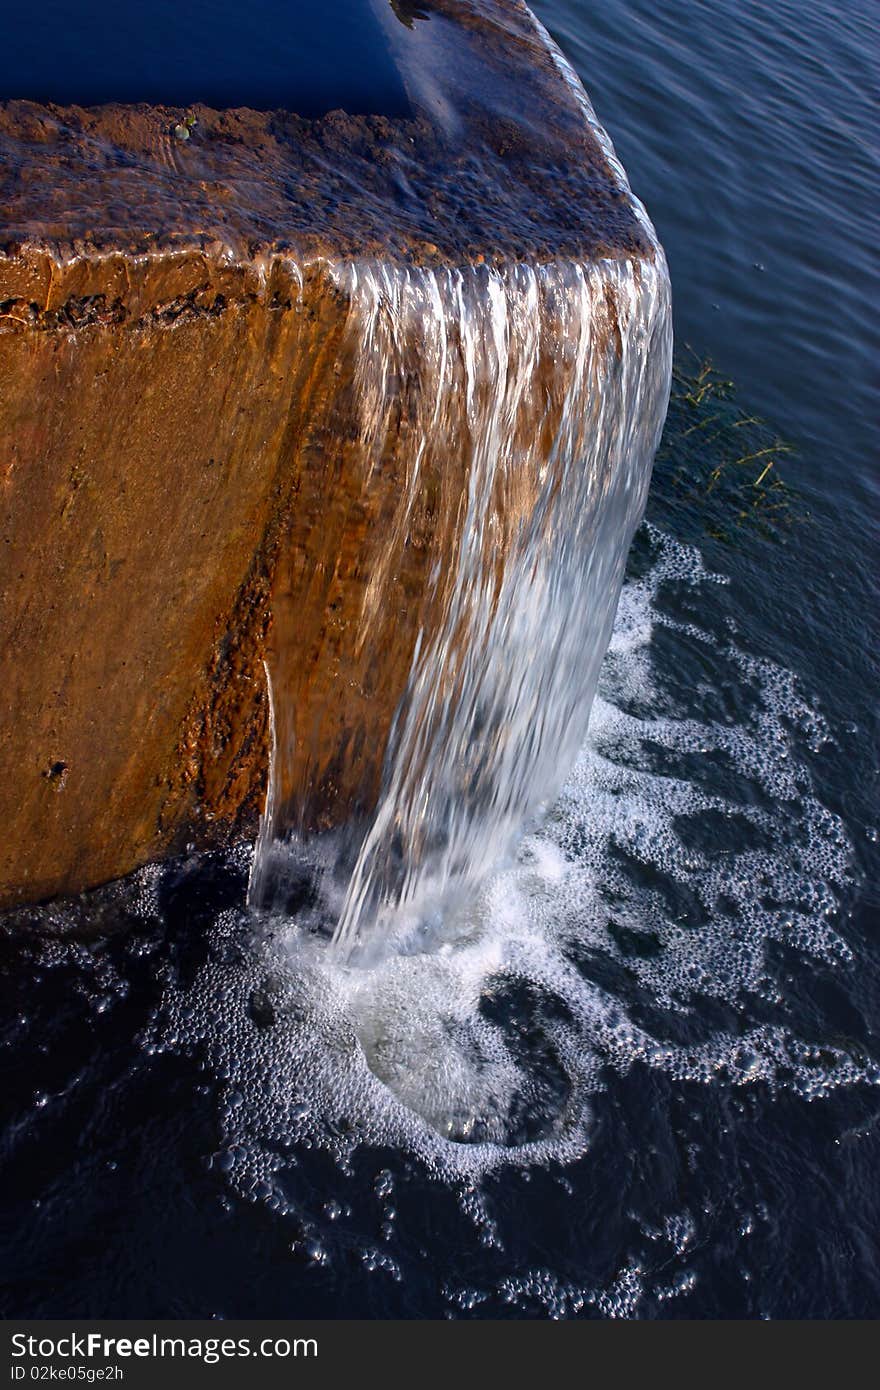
{"x":527,"y":403}
{"x":544,"y":390}
{"x":498,"y":697}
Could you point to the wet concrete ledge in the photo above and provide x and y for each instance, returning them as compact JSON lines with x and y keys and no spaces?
{"x":174,"y":393}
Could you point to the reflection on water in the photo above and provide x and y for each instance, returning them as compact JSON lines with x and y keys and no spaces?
{"x":408,"y":11}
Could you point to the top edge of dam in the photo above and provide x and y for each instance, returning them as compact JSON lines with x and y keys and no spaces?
{"x":482,"y":148}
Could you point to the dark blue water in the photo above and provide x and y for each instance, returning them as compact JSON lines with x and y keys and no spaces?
{"x":270,"y":54}
{"x":699,"y":921}
{"x":748,"y":130}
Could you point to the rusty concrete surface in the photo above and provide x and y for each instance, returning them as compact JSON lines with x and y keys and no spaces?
{"x":183,"y":489}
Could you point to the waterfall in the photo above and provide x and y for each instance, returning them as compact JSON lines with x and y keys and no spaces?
{"x":529,"y":401}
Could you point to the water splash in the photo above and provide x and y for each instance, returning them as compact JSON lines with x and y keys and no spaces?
{"x":603,"y":946}
{"x":678,"y":921}
{"x":541,"y":391}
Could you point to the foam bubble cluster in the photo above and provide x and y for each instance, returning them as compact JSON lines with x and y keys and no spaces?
{"x":683,"y":849}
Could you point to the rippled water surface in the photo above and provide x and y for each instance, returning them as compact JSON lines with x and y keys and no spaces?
{"x":639,"y":1076}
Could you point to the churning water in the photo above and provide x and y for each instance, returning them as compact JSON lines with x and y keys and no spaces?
{"x":630,"y":985}
{"x":484,"y":1045}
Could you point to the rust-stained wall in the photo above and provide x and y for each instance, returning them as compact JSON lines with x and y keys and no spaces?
{"x":182,"y":488}
{"x":187,"y":494}
{"x":147,"y":468}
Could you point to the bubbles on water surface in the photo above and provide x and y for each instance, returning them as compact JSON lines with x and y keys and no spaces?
{"x":656,"y":932}
{"x":637,"y":924}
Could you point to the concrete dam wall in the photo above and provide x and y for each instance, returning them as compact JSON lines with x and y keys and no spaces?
{"x":353,"y":408}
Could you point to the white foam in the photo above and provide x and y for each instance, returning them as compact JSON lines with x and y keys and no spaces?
{"x":492,"y":1028}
